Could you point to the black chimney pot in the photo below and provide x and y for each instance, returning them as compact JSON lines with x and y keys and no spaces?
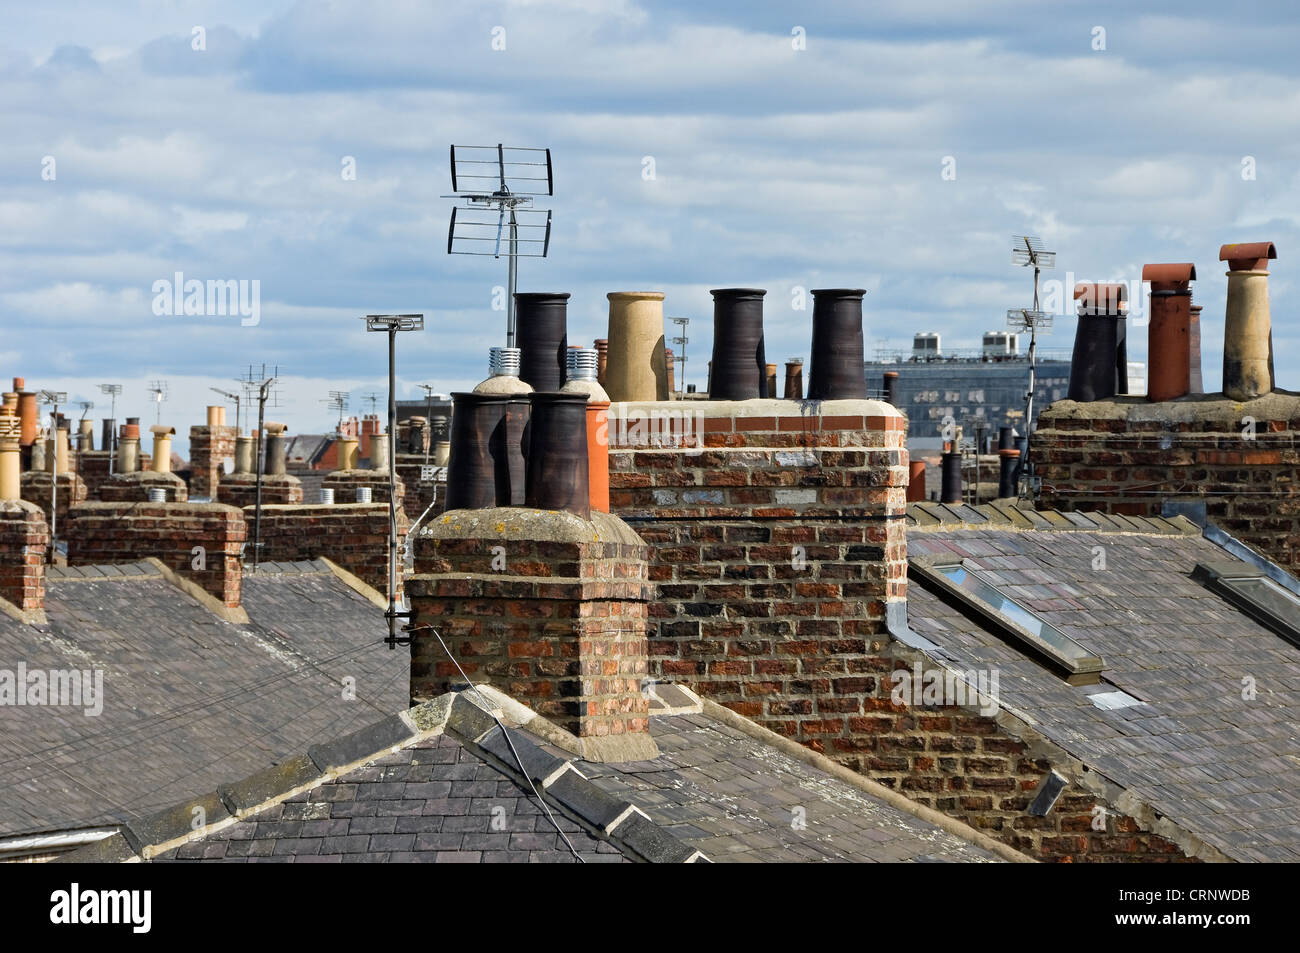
{"x":738,"y":370}
{"x":837,"y":371}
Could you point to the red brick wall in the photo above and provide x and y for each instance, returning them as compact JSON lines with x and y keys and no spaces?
{"x":775,"y":551}
{"x":560,"y":625}
{"x":92,"y":467}
{"x":1097,"y":457}
{"x":126,"y":532}
{"x":345,"y":483}
{"x":24,"y":540}
{"x":418,"y":496}
{"x":355,"y":536}
{"x":240,"y":489}
{"x":209,"y":447}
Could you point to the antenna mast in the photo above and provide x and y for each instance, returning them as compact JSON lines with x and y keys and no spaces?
{"x":1027,"y":250}
{"x":519,"y":174}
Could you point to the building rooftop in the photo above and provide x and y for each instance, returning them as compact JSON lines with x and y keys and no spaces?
{"x":441,"y":783}
{"x":189,"y":700}
{"x":1198,"y":727}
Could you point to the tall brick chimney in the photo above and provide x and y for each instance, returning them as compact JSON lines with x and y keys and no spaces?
{"x":547,"y":606}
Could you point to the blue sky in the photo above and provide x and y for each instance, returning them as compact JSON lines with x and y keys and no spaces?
{"x":774,"y":167}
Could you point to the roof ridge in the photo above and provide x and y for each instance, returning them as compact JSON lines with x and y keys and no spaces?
{"x":1015,"y":516}
{"x":476,"y":728}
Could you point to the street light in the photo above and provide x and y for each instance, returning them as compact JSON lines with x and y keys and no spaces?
{"x":392,"y":323}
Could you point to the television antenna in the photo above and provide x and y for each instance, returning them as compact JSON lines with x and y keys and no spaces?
{"x":680,"y":356}
{"x":159,"y":391}
{"x":391,"y":324}
{"x":1028,"y":250}
{"x":519,"y":175}
{"x":229,"y":396}
{"x":338,"y":400}
{"x":374,"y":401}
{"x":264,"y":385}
{"x":112,"y":390}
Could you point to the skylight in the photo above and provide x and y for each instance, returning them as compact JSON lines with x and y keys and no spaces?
{"x":1265,"y":600}
{"x":959,"y":584}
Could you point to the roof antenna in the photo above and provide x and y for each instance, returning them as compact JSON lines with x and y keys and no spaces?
{"x":1027,"y":250}
{"x":474,"y":230}
{"x":338,"y":400}
{"x":159,"y":391}
{"x":264,"y":385}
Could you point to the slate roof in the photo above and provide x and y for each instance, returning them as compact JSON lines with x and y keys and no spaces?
{"x":441,"y":784}
{"x":1221,"y":767}
{"x":190,"y":700}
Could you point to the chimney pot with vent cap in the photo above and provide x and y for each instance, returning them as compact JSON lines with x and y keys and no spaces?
{"x":504,"y":370}
{"x":162,"y":447}
{"x":636,"y":367}
{"x":1169,"y":342}
{"x":1094,"y":366}
{"x":838,"y":354}
{"x":277,"y":446}
{"x":1248,"y":329}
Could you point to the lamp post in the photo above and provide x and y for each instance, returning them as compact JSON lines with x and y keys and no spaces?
{"x":392,"y":323}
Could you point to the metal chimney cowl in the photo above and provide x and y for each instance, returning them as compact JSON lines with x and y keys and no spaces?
{"x":503,"y":371}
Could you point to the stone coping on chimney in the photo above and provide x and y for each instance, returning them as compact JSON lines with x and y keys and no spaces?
{"x":1190,"y":410}
{"x":474,"y":718}
{"x":1012,"y":515}
{"x":518,"y":522}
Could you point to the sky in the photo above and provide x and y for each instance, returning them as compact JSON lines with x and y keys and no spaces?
{"x":892,"y":147}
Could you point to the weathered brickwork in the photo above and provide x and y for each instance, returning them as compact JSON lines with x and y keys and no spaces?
{"x":776,"y":550}
{"x":36,"y":489}
{"x":345,"y":484}
{"x":417,"y":494}
{"x":210,"y":448}
{"x":1128,"y":457}
{"x":556,"y":619}
{"x":353,"y":535}
{"x":92,"y":467}
{"x":240,"y":489}
{"x":128,"y":487}
{"x":974,"y":768}
{"x":127,"y":532}
{"x":24,"y":543}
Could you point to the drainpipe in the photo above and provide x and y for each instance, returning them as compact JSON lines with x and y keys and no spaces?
{"x":1248,"y":331}
{"x":1169,"y":336}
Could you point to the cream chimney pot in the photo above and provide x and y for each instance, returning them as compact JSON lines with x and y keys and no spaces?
{"x":162,"y":448}
{"x":214,"y":416}
{"x":244,"y":450}
{"x":347,"y":455}
{"x":10,"y":450}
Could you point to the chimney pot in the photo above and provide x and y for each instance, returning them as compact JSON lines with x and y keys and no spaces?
{"x":636,"y":367}
{"x":1094,"y":366}
{"x":1248,"y":327}
{"x":794,"y":379}
{"x":541,"y":334}
{"x":1169,"y":342}
{"x":951,"y":485}
{"x":837,"y":345}
{"x":558,"y":474}
{"x":739,"y":367}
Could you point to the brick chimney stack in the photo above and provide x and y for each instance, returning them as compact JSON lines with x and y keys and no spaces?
{"x":1248,"y":329}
